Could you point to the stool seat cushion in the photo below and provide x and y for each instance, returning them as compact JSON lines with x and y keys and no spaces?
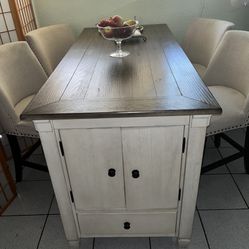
{"x":25,"y":128}
{"x":232,"y":103}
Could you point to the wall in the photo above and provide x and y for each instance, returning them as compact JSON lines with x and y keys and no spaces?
{"x":176,"y":13}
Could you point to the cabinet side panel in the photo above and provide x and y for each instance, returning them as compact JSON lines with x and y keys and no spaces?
{"x":191,"y":181}
{"x":52,"y":155}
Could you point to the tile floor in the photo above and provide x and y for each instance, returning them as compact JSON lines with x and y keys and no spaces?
{"x":221,"y":220}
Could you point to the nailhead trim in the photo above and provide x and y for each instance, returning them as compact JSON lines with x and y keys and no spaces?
{"x":22,"y":134}
{"x":228,"y":129}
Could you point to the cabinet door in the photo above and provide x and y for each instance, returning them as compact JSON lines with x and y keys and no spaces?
{"x":152,"y":162}
{"x":94,"y":163}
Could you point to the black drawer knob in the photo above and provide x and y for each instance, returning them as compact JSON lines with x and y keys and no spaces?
{"x":127,"y":225}
{"x":135,"y":174}
{"x":111,"y":172}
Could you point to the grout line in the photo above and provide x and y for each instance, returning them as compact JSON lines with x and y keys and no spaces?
{"x":93,"y":243}
{"x":240,"y":191}
{"x":54,"y":214}
{"x":203,"y":228}
{"x":150,"y":243}
{"x":222,"y":209}
{"x":44,"y":225}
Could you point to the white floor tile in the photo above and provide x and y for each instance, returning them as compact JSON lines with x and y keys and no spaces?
{"x":243,"y":183}
{"x":210,"y":142}
{"x":238,"y":135}
{"x":198,"y":240}
{"x":122,"y":243}
{"x":21,"y":232}
{"x":219,"y":192}
{"x":236,"y":166}
{"x":212,"y":155}
{"x":34,"y":197}
{"x":227,"y":229}
{"x":54,"y":237}
{"x":30,"y":174}
{"x":33,"y":174}
{"x":54,"y":208}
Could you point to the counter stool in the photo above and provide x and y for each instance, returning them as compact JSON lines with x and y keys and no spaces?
{"x":21,"y":77}
{"x":227,"y":77}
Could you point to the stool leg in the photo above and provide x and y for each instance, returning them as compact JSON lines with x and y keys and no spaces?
{"x":217,"y":140}
{"x":246,"y":155}
{"x":16,"y":153}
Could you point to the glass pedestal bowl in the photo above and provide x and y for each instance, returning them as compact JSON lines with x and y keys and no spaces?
{"x":118,"y":34}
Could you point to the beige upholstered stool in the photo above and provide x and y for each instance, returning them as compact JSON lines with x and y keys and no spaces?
{"x":50,"y":44}
{"x":21,"y":77}
{"x":228,"y":79}
{"x":201,"y":40}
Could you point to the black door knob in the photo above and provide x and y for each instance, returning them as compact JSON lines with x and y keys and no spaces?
{"x":127,"y":225}
{"x":135,"y":174}
{"x":111,"y":172}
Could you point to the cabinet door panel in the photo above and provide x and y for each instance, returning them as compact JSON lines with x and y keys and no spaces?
{"x":152,"y":159}
{"x":89,"y":155}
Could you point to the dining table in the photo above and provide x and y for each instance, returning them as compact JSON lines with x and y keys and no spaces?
{"x":123,"y":138}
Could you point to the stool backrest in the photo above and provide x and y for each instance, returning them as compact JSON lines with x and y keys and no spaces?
{"x":21,"y":75}
{"x":230,"y":65}
{"x":202,"y":38}
{"x":50,"y":44}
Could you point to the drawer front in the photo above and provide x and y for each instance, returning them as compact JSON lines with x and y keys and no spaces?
{"x":152,"y":159}
{"x":94,"y":163}
{"x":161,"y":223}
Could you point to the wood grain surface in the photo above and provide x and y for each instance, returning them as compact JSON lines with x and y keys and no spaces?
{"x":156,"y":78}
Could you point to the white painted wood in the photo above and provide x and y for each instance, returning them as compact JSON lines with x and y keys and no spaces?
{"x":52,"y":154}
{"x":98,"y":225}
{"x":150,"y":203}
{"x":89,"y":154}
{"x":194,"y":156}
{"x":200,"y":121}
{"x":156,"y":153}
{"x":120,"y":122}
{"x":43,"y":125}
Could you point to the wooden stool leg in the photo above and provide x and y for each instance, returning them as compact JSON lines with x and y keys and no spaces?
{"x":217,"y":140}
{"x":16,"y":153}
{"x":246,"y":155}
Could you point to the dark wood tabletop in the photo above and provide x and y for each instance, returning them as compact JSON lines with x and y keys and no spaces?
{"x":156,"y":79}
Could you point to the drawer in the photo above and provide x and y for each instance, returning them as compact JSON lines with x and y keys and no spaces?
{"x":120,"y":224}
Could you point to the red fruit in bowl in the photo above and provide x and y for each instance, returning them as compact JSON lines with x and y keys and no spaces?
{"x":111,"y":23}
{"x":107,"y":22}
{"x":123,"y":32}
{"x":107,"y":32}
{"x":118,"y":20}
{"x":104,"y":23}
